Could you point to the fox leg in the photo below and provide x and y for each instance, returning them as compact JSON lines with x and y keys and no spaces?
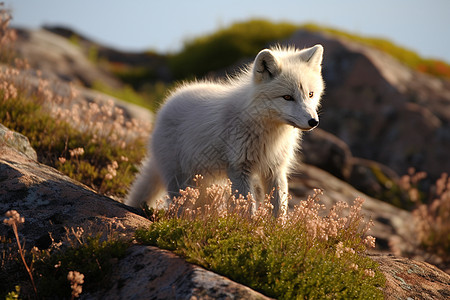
{"x":278,"y":185}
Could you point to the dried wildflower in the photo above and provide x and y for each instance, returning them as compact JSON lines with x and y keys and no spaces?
{"x":354,"y":266}
{"x":76,"y":152}
{"x":339,"y":249}
{"x":112,"y":170}
{"x":62,"y":160}
{"x":369,"y":241}
{"x":76,"y":280}
{"x":369,"y":273}
{"x":14,"y":218}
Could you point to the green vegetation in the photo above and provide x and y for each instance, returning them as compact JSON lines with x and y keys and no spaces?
{"x":244,"y":40}
{"x":226,"y":46}
{"x":77,"y":142}
{"x":93,"y":258}
{"x":80,"y":261}
{"x":300,"y":256}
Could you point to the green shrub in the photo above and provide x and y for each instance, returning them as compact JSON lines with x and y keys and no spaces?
{"x":298,"y":256}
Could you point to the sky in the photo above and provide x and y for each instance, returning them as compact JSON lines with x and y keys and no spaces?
{"x":135,"y":25}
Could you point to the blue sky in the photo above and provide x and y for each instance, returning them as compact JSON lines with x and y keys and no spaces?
{"x":421,"y":25}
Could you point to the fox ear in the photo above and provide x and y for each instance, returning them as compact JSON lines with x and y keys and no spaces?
{"x":313,"y":55}
{"x":265,"y":66}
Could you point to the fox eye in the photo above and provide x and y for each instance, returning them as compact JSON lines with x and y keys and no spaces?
{"x":311,"y":94}
{"x":288,"y":98}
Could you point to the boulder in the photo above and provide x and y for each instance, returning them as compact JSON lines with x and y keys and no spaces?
{"x":326,"y":151}
{"x":51,"y":202}
{"x":383,"y":110}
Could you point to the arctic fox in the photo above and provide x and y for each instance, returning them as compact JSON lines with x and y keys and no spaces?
{"x":245,"y":128}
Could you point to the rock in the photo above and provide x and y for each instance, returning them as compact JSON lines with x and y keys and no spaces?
{"x":17,"y":141}
{"x":51,"y":202}
{"x":148,"y":272}
{"x":60,"y":59}
{"x":328,"y":152}
{"x":383,"y":110}
{"x":378,"y":181}
{"x":409,"y":279}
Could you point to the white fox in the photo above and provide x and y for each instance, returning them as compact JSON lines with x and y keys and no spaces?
{"x":246,"y":128}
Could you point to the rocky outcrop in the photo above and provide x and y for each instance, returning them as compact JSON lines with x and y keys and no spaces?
{"x":381,"y":109}
{"x":51,"y":202}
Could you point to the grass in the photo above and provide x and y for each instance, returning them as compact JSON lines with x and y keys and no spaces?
{"x":301,"y":255}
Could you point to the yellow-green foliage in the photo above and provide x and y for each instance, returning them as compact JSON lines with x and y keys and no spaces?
{"x":243,"y":40}
{"x":300,"y":256}
{"x":226,"y":46}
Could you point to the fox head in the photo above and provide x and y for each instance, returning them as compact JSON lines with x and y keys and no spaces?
{"x":289,"y":83}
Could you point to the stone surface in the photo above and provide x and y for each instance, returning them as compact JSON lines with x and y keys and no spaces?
{"x":410,"y":279}
{"x":59,"y":58}
{"x":17,"y":141}
{"x":328,"y":152}
{"x":51,"y":202}
{"x":151,"y":273}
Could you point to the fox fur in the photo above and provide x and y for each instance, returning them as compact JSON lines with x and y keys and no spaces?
{"x":246,"y":128}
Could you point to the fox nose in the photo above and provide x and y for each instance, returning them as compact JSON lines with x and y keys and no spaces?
{"x":313,"y":123}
